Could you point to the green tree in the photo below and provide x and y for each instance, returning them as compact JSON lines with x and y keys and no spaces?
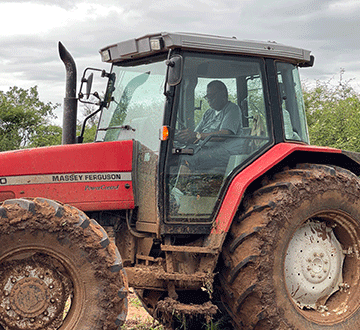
{"x":46,"y":135}
{"x":91,"y":124}
{"x":25,"y":121}
{"x":333,"y":115}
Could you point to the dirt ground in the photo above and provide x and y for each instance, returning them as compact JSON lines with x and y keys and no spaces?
{"x":138,"y":318}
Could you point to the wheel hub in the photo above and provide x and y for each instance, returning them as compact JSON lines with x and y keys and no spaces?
{"x":29,"y":297}
{"x":316,"y":267}
{"x":32,"y":296}
{"x":313,"y":265}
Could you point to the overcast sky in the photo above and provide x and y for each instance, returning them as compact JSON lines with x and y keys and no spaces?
{"x":30,"y":32}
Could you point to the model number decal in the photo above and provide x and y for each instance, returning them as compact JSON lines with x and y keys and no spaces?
{"x":64,"y":178}
{"x":103,"y":187}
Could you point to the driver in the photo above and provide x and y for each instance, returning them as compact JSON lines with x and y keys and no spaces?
{"x":222,"y":118}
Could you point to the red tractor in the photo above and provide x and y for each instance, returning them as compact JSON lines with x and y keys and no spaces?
{"x":228,"y":209}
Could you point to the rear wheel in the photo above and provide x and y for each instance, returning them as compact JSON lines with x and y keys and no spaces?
{"x":291,"y":261}
{"x":59,"y":269}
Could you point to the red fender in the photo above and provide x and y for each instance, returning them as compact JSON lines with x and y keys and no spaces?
{"x":260,"y":166}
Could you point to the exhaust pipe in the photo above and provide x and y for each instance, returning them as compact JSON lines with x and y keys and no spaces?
{"x":70,"y":100}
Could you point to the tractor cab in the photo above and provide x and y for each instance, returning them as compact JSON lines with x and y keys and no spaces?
{"x":162,"y":93}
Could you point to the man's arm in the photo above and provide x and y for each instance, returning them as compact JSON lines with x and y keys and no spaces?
{"x":203,"y":136}
{"x":232,"y":120}
{"x":229,"y":126}
{"x":190,"y":136}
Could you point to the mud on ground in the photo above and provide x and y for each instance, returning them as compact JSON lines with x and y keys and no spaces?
{"x":138,"y":318}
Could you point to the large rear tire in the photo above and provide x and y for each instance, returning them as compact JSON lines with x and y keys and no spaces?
{"x":291,"y":260}
{"x":59,"y":269}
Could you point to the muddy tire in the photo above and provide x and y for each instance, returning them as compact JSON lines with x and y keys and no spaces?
{"x":59,"y":269}
{"x":291,"y":260}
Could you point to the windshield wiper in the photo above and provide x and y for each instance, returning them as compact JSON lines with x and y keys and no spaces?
{"x":123,"y":127}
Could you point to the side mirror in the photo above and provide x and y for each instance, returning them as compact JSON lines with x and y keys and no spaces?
{"x":89,"y":82}
{"x":175,"y":69}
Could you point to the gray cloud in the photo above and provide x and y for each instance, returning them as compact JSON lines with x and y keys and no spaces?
{"x":66,"y":4}
{"x":329,"y":30}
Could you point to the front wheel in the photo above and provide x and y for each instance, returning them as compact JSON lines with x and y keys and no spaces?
{"x":291,"y":261}
{"x":59,"y":269}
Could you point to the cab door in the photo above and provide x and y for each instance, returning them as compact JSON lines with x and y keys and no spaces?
{"x":193,"y":192}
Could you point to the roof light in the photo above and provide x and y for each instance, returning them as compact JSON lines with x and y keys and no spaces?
{"x":105,"y":55}
{"x":157,"y":44}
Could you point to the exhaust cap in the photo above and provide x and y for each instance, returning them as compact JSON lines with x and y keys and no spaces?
{"x":70,"y":100}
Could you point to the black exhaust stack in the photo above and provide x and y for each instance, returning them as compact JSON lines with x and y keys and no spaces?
{"x":70,"y":100}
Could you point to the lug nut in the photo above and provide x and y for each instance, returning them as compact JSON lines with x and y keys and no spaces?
{"x":322,"y":308}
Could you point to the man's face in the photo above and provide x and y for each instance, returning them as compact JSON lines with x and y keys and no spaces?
{"x":215,"y":98}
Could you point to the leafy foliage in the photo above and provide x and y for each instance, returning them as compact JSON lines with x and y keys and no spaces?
{"x":333,"y":115}
{"x":25,"y":121}
{"x":46,"y":135}
{"x":91,"y":124}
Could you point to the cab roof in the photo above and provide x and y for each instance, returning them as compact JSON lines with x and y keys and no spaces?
{"x":164,"y":41}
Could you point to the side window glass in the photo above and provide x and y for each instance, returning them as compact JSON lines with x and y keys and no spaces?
{"x":292,"y":103}
{"x":221,"y":122}
{"x":256,"y":112}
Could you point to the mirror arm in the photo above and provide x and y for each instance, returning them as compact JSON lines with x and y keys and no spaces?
{"x":80,"y":138}
{"x":167,"y":73}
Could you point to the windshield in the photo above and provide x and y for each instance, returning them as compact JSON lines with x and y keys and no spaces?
{"x":136,"y":109}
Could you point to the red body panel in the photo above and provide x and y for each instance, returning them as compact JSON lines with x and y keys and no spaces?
{"x":238,"y":186}
{"x":94,"y":176}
